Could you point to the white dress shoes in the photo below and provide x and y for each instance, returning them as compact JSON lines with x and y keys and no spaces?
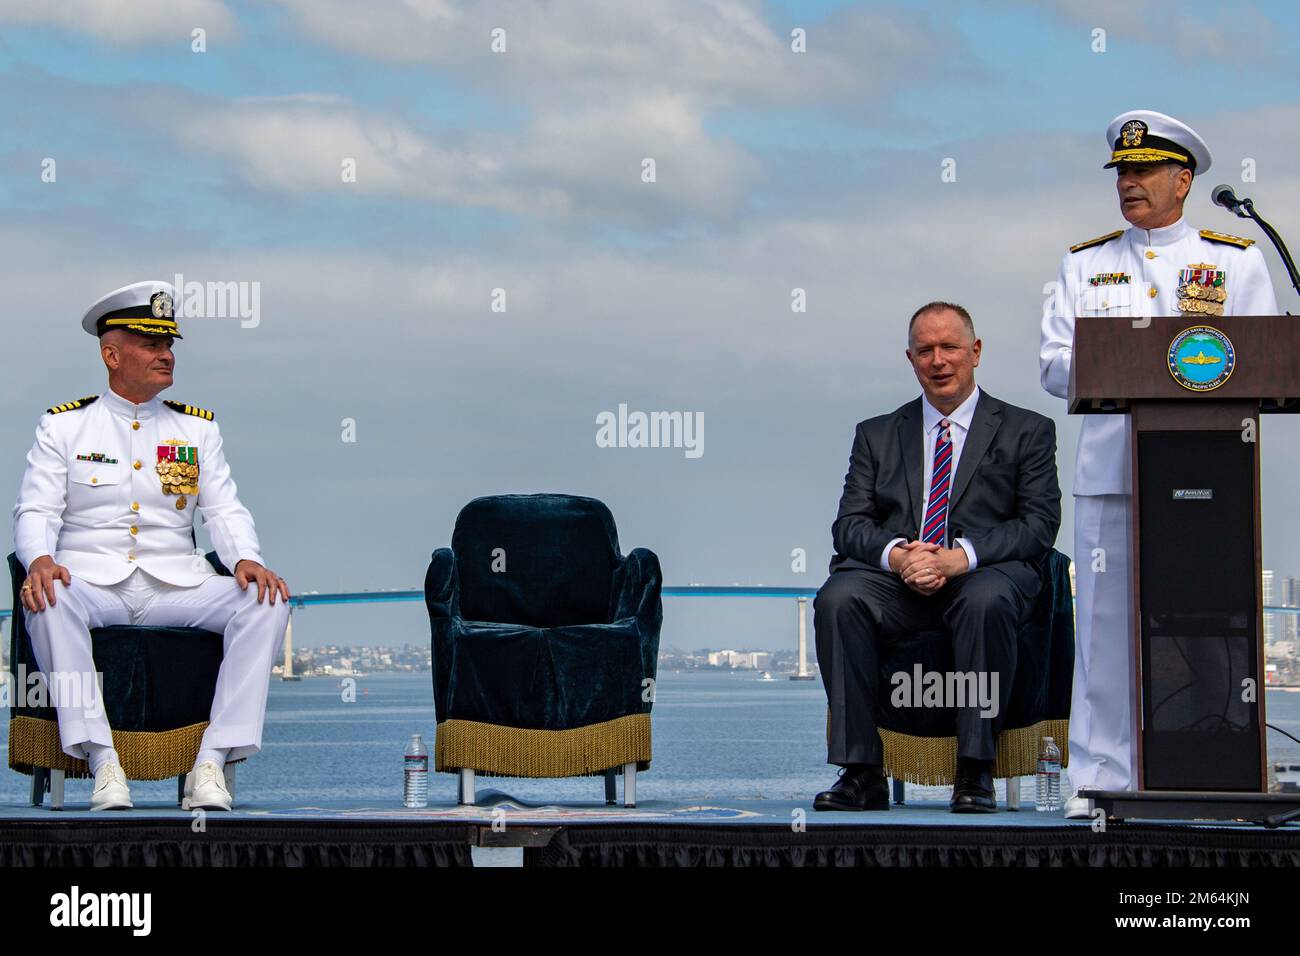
{"x":205,"y":788}
{"x":1078,"y":808}
{"x":111,"y":791}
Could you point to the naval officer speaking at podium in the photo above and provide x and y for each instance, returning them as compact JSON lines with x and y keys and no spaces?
{"x":104,"y":526}
{"x":1160,"y":265}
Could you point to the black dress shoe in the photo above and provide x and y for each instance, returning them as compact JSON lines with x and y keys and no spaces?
{"x":860,"y":787}
{"x":973,"y":791}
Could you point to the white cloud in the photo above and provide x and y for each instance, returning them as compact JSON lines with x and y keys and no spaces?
{"x":720,"y":51}
{"x":298,"y":144}
{"x":565,"y":161}
{"x":603,"y":87}
{"x":125,"y":22}
{"x":607,"y":86}
{"x":1221,"y":32}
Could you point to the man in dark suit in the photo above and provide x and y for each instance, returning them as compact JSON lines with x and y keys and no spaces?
{"x":950,"y":505}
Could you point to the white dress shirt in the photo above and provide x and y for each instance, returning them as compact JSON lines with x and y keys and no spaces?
{"x":1150,"y":260}
{"x":959,"y":425}
{"x":92,"y":497}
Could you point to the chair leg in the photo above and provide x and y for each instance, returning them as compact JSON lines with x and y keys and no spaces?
{"x":898,"y":792}
{"x":40,"y":779}
{"x":229,"y":772}
{"x":56,"y":789}
{"x":466,"y":786}
{"x":1013,"y":793}
{"x":611,"y":789}
{"x":629,"y":784}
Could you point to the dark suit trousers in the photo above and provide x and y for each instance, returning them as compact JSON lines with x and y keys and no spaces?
{"x":857,"y":611}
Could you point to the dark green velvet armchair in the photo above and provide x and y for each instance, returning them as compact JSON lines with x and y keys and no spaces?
{"x":158,"y":684}
{"x":920,"y":742}
{"x":545,"y":643}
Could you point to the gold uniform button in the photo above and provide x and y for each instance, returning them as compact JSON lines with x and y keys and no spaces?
{"x":1152,"y":292}
{"x":94,"y":481}
{"x":135,"y":426}
{"x":1150,"y":254}
{"x":136,"y":464}
{"x":130,"y":557}
{"x":135,"y":506}
{"x":134,"y":529}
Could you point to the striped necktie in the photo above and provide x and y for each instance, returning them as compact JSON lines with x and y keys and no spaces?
{"x":935,"y":527}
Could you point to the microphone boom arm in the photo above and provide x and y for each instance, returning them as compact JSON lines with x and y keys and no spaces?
{"x":1246,"y":210}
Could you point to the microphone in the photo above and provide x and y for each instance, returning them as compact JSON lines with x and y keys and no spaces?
{"x":1225,"y":197}
{"x":1245,"y":209}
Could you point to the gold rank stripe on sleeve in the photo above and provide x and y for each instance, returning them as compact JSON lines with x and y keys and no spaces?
{"x":1098,"y":241}
{"x":188,"y":409}
{"x":69,"y":406}
{"x":1212,"y":236}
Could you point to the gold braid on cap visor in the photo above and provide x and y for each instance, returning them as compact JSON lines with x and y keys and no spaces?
{"x":1145,"y":156}
{"x":154,"y":326}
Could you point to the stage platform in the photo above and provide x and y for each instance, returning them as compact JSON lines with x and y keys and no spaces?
{"x":500,"y":830}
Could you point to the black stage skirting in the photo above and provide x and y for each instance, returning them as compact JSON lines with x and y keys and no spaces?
{"x":235,"y":843}
{"x":895,"y":846}
{"x":311,"y":843}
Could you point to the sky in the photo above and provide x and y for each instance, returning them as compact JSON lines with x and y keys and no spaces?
{"x":387,"y":180}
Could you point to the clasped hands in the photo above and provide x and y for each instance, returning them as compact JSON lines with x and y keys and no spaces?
{"x":926,"y":567}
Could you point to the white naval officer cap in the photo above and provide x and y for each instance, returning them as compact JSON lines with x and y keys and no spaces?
{"x":144,"y":307}
{"x":1145,"y":136}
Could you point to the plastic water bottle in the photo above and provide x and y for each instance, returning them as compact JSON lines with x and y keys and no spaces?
{"x":1049,"y":776}
{"x":416,"y":772}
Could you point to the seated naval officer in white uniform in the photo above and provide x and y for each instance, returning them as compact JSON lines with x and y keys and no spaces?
{"x":1160,"y":265}
{"x":104,"y":525}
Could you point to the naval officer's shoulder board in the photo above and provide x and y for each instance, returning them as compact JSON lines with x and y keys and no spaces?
{"x":1211,"y":236}
{"x":1100,"y":240}
{"x":184,"y":409}
{"x":69,"y":406}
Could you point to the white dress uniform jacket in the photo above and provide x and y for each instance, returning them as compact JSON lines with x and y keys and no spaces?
{"x":1127,"y":276}
{"x":1152,"y":260}
{"x":92,"y":497}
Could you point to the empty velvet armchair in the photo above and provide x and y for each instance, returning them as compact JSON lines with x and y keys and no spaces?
{"x":545,"y":643}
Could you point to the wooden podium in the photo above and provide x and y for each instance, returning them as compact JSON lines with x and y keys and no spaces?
{"x":1197,"y":633}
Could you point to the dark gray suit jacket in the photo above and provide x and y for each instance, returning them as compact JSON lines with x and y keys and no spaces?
{"x":1005,"y":498}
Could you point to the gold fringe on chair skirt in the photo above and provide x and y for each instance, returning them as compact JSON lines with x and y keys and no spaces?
{"x":516,"y":752}
{"x":144,"y":755}
{"x":932,"y":761}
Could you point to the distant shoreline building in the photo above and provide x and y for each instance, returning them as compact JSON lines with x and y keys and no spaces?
{"x":741,"y":660}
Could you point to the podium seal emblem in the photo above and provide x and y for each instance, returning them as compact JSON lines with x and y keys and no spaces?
{"x":1201,"y":358}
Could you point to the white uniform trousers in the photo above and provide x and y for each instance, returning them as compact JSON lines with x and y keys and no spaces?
{"x":253,"y":638}
{"x":1101,"y":711}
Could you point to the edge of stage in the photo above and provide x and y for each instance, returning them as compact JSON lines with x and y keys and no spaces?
{"x":654,"y":833}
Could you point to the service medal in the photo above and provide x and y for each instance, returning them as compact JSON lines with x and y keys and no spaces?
{"x":178,"y":470}
{"x":1202,"y":289}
